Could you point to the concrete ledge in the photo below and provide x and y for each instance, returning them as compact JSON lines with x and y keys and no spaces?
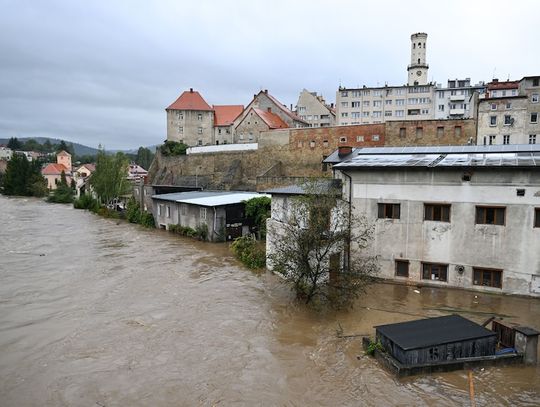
{"x":400,"y":370}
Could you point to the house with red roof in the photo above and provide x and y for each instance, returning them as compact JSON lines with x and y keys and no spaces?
{"x":224,"y":117}
{"x":53,"y":171}
{"x":256,"y":121}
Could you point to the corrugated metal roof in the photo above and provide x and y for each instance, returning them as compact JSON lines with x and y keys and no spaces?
{"x":424,"y":333}
{"x":208,"y":198}
{"x":524,"y":155}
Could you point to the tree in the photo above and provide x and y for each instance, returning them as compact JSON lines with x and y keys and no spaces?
{"x":144,"y":157}
{"x":24,"y":178}
{"x":63,"y":192}
{"x":14,"y":143}
{"x":311,"y":248}
{"x":259,"y":210}
{"x":109,"y":180}
{"x":63,"y":146}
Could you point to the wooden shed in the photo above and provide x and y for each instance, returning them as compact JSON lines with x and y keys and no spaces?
{"x":436,"y":340}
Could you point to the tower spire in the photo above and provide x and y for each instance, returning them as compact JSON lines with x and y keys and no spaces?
{"x":417,"y":71}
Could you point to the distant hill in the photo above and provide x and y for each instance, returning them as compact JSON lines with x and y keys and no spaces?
{"x":80,"y":149}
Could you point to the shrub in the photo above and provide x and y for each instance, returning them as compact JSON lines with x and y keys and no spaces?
{"x":173,"y":148}
{"x":249,"y":252}
{"x":147,"y":220}
{"x":374,"y":346}
{"x":86,"y":201}
{"x":133,"y":211}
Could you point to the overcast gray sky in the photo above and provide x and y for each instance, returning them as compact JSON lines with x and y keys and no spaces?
{"x":104,"y":71}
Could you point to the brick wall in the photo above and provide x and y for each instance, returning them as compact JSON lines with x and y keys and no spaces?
{"x":430,"y":132}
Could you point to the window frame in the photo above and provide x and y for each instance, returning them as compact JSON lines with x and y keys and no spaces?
{"x":483,"y":270}
{"x":441,"y":206}
{"x":388,"y":208}
{"x":397,"y":262}
{"x":495,"y":208}
{"x":536,"y":220}
{"x":441,"y":266}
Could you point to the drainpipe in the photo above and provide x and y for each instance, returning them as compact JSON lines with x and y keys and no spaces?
{"x":348,"y":243}
{"x":214,"y":225}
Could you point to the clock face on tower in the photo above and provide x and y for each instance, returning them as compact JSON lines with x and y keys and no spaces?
{"x":419,"y":73}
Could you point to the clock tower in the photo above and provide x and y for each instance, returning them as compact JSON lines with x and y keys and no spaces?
{"x":417,"y":71}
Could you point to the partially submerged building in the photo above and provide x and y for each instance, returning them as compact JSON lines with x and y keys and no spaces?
{"x":457,"y":216}
{"x":221,"y":213}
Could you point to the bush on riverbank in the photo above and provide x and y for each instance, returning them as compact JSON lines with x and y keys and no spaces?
{"x":63,"y":192}
{"x":86,"y":201}
{"x":250,"y":252}
{"x":200,"y":233}
{"x":134,"y":214}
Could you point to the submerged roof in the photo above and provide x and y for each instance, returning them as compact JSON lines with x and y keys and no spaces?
{"x":517,"y":155}
{"x":190,"y":100}
{"x":208,"y":198}
{"x":428,"y":332}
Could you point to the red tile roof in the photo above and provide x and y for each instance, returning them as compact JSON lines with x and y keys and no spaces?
{"x":190,"y":100}
{"x":271,"y":119}
{"x":63,"y":153}
{"x":54,"y":169}
{"x":224,"y":115}
{"x":503,"y":85}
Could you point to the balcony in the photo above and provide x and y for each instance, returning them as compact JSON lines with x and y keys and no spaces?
{"x":457,"y":112}
{"x":457,"y":98}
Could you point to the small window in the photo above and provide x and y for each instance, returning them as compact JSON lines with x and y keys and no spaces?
{"x":199,"y":130}
{"x":199,"y":116}
{"x":312,"y":144}
{"x":359,"y":138}
{"x":508,"y":120}
{"x":492,"y":120}
{"x":506,"y":139}
{"x":487,"y":277}
{"x":440,"y":131}
{"x":537,"y":217}
{"x":388,"y":211}
{"x":490,"y":215}
{"x":535,"y":81}
{"x":534,"y":98}
{"x":437,"y":212}
{"x":375,"y":137}
{"x":457,"y":131}
{"x":183,"y":210}
{"x":402,"y":132}
{"x":520,"y":192}
{"x":300,"y":144}
{"x":532,"y":138}
{"x":202,"y":213}
{"x":402,"y":268}
{"x":180,"y":129}
{"x":199,"y":142}
{"x":493,"y":106}
{"x":325,"y":143}
{"x":419,"y":132}
{"x":435,"y":272}
{"x":534,"y":117}
{"x":509,"y":105}
{"x":343,"y":139}
{"x":168,"y":212}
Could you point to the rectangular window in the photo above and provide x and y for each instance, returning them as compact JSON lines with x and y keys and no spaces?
{"x":457,"y":131}
{"x":402,"y":132}
{"x":535,"y":81}
{"x":400,"y":113}
{"x":199,"y":142}
{"x":365,"y":114}
{"x":435,"y":272}
{"x":437,"y":212}
{"x":388,"y":211}
{"x":388,"y":113}
{"x":344,"y":94}
{"x":180,"y":129}
{"x":492,"y":139}
{"x":344,"y":104}
{"x":199,"y":130}
{"x":377,"y":113}
{"x":400,"y":102}
{"x":537,"y":217}
{"x":440,"y":94}
{"x":355,"y":93}
{"x":532,"y":138}
{"x":355,"y":115}
{"x":508,"y":120}
{"x":183,"y":210}
{"x":365,"y":103}
{"x":376,"y":93}
{"x":492,"y":120}
{"x":534,"y":98}
{"x":355,"y":104}
{"x":419,"y":132}
{"x":490,"y":215}
{"x":402,"y":268}
{"x":506,"y":139}
{"x":345,"y":114}
{"x":388,"y":102}
{"x":509,"y":105}
{"x":534,"y":117}
{"x":487,"y":277}
{"x":375,"y":137}
{"x":160,"y":210}
{"x":359,"y":138}
{"x":199,"y":116}
{"x":377,"y":103}
{"x":441,"y":108}
{"x":493,"y":106}
{"x":202,"y":213}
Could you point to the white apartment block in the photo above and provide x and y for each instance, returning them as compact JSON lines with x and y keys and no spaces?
{"x":458,"y":99}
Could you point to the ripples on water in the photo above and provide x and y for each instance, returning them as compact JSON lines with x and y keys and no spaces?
{"x":98,"y":313}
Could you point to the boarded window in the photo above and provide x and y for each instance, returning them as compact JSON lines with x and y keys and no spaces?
{"x":388,"y":211}
{"x":402,"y":268}
{"x":419,"y":132}
{"x":440,"y":131}
{"x":437,"y":212}
{"x":488,"y":215}
{"x":402,"y":132}
{"x":457,"y":131}
{"x":487,"y":277}
{"x":435,"y":272}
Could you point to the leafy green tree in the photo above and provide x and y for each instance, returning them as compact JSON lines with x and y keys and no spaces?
{"x":110,"y":178}
{"x":65,"y":147}
{"x":173,"y":148}
{"x":14,"y":143}
{"x":311,"y":249}
{"x":144,"y":157}
{"x":23,"y":178}
{"x":259,"y":210}
{"x":31,"y":145}
{"x":63,"y":192}
{"x":47,"y":146}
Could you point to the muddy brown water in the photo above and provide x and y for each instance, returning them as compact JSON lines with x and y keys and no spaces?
{"x":95,"y":313}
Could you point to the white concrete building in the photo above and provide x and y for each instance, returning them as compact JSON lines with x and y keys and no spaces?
{"x":463,"y":216}
{"x":458,"y":99}
{"x":6,"y":153}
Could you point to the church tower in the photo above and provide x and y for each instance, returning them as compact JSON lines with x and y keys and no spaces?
{"x":418,"y":69}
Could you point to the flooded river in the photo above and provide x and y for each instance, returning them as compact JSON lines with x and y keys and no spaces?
{"x":95,"y":313}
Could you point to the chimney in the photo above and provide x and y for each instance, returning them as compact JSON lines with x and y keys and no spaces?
{"x":266,"y":91}
{"x":344,"y":151}
{"x":291,"y":107}
{"x":332,"y":105}
{"x":495,"y":80}
{"x":269,"y":109}
{"x":190,"y":90}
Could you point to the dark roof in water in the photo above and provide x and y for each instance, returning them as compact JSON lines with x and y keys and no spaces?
{"x":322,"y":186}
{"x":429,"y":332}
